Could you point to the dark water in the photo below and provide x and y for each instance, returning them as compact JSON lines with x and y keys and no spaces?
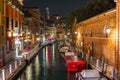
{"x":48,"y":65}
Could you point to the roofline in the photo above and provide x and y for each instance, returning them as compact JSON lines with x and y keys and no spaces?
{"x":99,"y":15}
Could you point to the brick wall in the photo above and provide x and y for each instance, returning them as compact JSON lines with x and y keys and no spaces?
{"x":92,"y":33}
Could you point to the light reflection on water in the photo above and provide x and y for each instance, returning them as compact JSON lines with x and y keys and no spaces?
{"x":29,"y":72}
{"x":53,"y":55}
{"x":46,"y":66}
{"x":37,"y":66}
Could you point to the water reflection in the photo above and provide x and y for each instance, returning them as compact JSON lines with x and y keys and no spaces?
{"x":53,"y":54}
{"x":37,"y":66}
{"x":29,"y":73}
{"x":47,"y":65}
{"x":47,"y":56}
{"x":44,"y":65}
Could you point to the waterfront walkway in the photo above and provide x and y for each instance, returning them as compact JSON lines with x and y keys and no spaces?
{"x":13,"y":67}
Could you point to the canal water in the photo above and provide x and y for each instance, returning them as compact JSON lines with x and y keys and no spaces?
{"x":47,"y":65}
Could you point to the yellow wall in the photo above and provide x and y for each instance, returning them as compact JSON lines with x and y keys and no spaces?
{"x":2,"y":23}
{"x":1,"y":6}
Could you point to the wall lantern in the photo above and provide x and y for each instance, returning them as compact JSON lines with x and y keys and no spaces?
{"x":65,"y":36}
{"x":37,"y":34}
{"x":9,"y":34}
{"x":38,"y":39}
{"x":28,"y":33}
{"x":76,"y":32}
{"x":46,"y":33}
{"x":107,"y":31}
{"x":68,"y":33}
{"x":82,"y":44}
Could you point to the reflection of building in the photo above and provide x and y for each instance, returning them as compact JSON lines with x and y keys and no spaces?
{"x":32,"y":24}
{"x":99,"y":36}
{"x":2,"y":32}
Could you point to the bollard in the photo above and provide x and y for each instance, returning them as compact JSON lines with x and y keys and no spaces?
{"x":97,"y":63}
{"x":3,"y":74}
{"x":76,"y":75}
{"x":15,"y":64}
{"x":24,"y":57}
{"x":105,"y":68}
{"x":82,"y":55}
{"x":87,"y":57}
{"x":91,"y":59}
{"x":20,"y":61}
{"x":113,"y":73}
{"x":27,"y":56}
{"x":10,"y":68}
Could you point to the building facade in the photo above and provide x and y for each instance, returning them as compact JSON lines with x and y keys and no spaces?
{"x":99,"y":38}
{"x":2,"y":32}
{"x":32,"y":25}
{"x":14,"y":26}
{"x":52,"y":32}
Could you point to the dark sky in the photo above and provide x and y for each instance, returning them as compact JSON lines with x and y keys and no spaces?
{"x":62,"y":7}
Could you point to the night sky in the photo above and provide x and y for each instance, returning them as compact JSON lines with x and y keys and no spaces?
{"x":61,"y":7}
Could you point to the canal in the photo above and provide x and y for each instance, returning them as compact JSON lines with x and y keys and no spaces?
{"x":47,"y":65}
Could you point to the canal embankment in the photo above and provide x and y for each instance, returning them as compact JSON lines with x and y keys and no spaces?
{"x":12,"y":70}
